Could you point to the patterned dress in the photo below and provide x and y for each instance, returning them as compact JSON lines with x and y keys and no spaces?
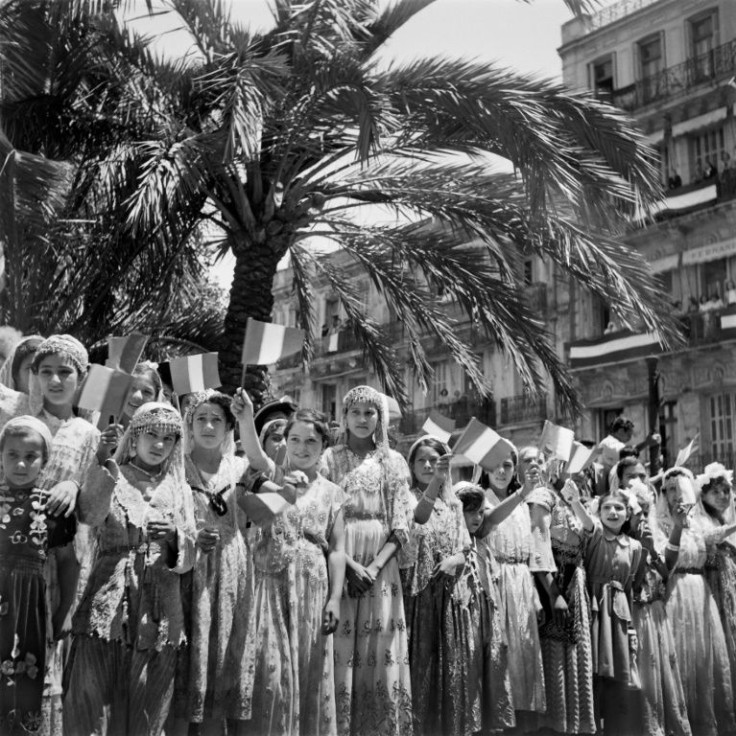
{"x":294,"y":685}
{"x":218,"y":600}
{"x":567,"y":649}
{"x":372,"y":673}
{"x":510,"y":544}
{"x":26,"y":637}
{"x":699,"y":640}
{"x":443,"y":702}
{"x":130,"y":621}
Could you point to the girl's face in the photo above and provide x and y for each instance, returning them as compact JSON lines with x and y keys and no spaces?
{"x":23,"y":377}
{"x":502,"y":475}
{"x":22,"y":459}
{"x":303,"y":446}
{"x":473,"y":519}
{"x":362,"y":420}
{"x":274,"y":441}
{"x":718,"y":496}
{"x":633,"y":472}
{"x":613,"y":514}
{"x":532,"y":468}
{"x":209,"y":427}
{"x":152,"y":446}
{"x":141,"y":391}
{"x":59,"y":380}
{"x":425,"y":461}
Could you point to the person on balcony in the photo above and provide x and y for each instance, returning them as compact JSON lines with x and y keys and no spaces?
{"x":730,"y":293}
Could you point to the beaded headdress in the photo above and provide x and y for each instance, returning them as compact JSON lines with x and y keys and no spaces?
{"x":714,"y":472}
{"x":367,"y":395}
{"x":195,"y":401}
{"x":28,"y":422}
{"x":64,"y":345}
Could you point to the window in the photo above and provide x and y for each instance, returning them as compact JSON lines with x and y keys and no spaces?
{"x":601,"y":77}
{"x":707,"y":149}
{"x":329,"y":399}
{"x":714,"y":273}
{"x":722,"y":408}
{"x":446,"y":382}
{"x":703,"y":39}
{"x":651,"y":63}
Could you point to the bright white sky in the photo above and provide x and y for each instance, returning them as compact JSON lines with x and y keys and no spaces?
{"x":522,"y":36}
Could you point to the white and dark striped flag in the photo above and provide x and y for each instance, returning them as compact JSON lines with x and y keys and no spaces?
{"x":439,"y":426}
{"x":194,"y":373}
{"x":105,"y":390}
{"x":482,"y":445}
{"x":265,"y":342}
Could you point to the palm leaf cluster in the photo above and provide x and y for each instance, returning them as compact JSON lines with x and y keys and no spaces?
{"x":278,"y":137}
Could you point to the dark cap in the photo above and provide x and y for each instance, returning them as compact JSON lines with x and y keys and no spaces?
{"x":283,"y":407}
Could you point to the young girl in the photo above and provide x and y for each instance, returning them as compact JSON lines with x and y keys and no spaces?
{"x":511,"y":543}
{"x":26,"y":534}
{"x":16,"y":371}
{"x":372,"y":675}
{"x":219,"y":671}
{"x":299,"y":563}
{"x":430,"y":562}
{"x":612,"y":560}
{"x":130,"y":624}
{"x":146,"y":386}
{"x":699,"y":640}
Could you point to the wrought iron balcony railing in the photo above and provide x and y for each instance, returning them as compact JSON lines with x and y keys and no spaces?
{"x":523,"y":408}
{"x":717,"y":64}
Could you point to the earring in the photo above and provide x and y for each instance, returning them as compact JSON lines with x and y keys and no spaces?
{"x":132,"y":453}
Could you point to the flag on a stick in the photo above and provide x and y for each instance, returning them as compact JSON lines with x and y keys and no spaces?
{"x":125,"y":352}
{"x":194,"y":373}
{"x":579,"y":458}
{"x":482,"y":445}
{"x":265,"y":342}
{"x":262,"y":508}
{"x":105,"y":390}
{"x":684,"y":454}
{"x":556,"y":441}
{"x":439,"y":426}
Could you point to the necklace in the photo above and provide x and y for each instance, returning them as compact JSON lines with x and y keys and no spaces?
{"x":147,"y":473}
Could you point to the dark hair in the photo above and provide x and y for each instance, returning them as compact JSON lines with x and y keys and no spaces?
{"x":621,"y":423}
{"x":314,"y":417}
{"x":619,"y":494}
{"x":514,"y":485}
{"x":471,"y":496}
{"x":626,"y":462}
{"x":147,"y":370}
{"x":628,"y":451}
{"x":23,"y":349}
{"x":23,"y":432}
{"x":439,"y":447}
{"x":224,"y":402}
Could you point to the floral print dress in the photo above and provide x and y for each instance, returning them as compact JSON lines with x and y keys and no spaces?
{"x":372,"y":673}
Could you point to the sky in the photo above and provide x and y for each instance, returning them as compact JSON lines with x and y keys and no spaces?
{"x":523,"y":36}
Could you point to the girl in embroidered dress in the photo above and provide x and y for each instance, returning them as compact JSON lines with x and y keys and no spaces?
{"x":218,"y":668}
{"x":26,"y":535}
{"x":130,"y":623}
{"x":699,"y":639}
{"x":510,"y":544}
{"x":612,"y":560}
{"x":372,"y":675}
{"x":299,"y":564}
{"x":430,"y":562}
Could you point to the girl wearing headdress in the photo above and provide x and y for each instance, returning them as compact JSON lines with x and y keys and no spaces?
{"x":510,"y":544}
{"x":16,"y":371}
{"x":715,"y":513}
{"x":430,"y":563}
{"x":299,"y":569}
{"x":26,"y":535}
{"x":372,"y":675}
{"x":130,"y":624}
{"x":217,"y":669}
{"x":691,"y":608}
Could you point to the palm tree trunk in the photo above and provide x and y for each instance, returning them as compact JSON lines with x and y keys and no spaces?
{"x":250,"y":296}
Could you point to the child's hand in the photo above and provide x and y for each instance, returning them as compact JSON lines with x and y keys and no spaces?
{"x":109,"y":440}
{"x":570,"y":492}
{"x":447,"y":568}
{"x":241,"y":405}
{"x":62,"y":499}
{"x":207,"y":539}
{"x":442,"y":469}
{"x":680,"y":517}
{"x":161,"y":530}
{"x":330,"y":616}
{"x":359,"y":579}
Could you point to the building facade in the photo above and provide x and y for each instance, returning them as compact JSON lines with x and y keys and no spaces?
{"x":670,"y":64}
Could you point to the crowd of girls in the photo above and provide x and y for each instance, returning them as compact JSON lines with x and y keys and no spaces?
{"x":154,"y":580}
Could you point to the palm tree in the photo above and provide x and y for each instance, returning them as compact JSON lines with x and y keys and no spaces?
{"x":281,"y":136}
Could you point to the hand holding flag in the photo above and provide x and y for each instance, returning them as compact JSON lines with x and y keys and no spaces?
{"x":482,"y":445}
{"x":439,"y":426}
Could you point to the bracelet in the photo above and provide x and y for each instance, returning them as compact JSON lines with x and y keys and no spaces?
{"x":257,"y":483}
{"x":672,"y":547}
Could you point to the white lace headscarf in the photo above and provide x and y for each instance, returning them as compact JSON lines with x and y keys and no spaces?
{"x":195,"y":401}
{"x":661,"y":522}
{"x":712,"y":473}
{"x":367,"y":395}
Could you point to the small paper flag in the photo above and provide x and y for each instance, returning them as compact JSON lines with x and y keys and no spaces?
{"x":579,"y":458}
{"x":125,"y":352}
{"x":262,"y":508}
{"x":556,"y":441}
{"x":265,"y":342}
{"x":684,"y":454}
{"x":105,"y":390}
{"x":439,"y":426}
{"x":194,"y":373}
{"x":482,"y":445}
{"x":333,"y":342}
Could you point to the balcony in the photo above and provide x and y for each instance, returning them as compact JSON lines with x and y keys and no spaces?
{"x":616,"y":11}
{"x":709,"y":328}
{"x":522,"y":409}
{"x":717,"y":64}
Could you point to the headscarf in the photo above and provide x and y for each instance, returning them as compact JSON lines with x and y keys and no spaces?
{"x":23,"y":348}
{"x":367,"y":395}
{"x":195,"y":401}
{"x":711,"y":473}
{"x":270,"y":427}
{"x":662,"y":523}
{"x":161,"y":416}
{"x":65,"y":345}
{"x":28,"y":422}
